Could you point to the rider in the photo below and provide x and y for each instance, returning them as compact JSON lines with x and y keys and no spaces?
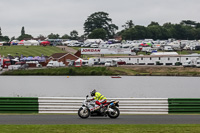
{"x":100,"y":99}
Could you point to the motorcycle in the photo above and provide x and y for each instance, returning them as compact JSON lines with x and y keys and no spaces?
{"x":89,"y":108}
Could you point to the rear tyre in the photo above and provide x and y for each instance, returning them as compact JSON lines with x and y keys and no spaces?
{"x":83,"y":113}
{"x":114,"y":114}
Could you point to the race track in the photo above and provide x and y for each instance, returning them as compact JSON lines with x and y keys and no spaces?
{"x":123,"y":119}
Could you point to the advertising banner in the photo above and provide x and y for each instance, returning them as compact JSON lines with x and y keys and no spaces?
{"x":105,"y":51}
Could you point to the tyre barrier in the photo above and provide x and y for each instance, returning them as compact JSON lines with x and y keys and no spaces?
{"x":183,"y":105}
{"x":72,"y":104}
{"x":19,"y":105}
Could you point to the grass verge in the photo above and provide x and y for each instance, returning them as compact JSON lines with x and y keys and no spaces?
{"x":108,"y":71}
{"x":64,"y":71}
{"x":29,"y":50}
{"x":100,"y":128}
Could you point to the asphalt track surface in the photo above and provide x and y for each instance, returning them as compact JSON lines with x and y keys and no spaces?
{"x":74,"y":119}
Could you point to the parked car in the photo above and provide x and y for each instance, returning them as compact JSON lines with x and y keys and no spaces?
{"x":24,"y":66}
{"x":110,"y":63}
{"x":18,"y":66}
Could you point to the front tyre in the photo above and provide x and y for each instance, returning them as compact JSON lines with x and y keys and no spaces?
{"x":114,"y":114}
{"x":83,"y":113}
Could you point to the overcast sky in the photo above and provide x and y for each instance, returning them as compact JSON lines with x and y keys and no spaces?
{"x":63,"y":16}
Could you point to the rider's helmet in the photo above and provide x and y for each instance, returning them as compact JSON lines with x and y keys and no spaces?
{"x":92,"y":93}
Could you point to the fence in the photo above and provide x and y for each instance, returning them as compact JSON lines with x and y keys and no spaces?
{"x":72,"y":104}
{"x":127,"y":105}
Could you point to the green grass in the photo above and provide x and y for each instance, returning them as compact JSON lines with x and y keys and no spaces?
{"x":77,"y":48}
{"x":108,"y":71}
{"x":100,"y":128}
{"x":64,"y":71}
{"x":29,"y":50}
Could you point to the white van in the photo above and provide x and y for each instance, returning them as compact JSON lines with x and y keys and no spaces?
{"x":112,"y":62}
{"x":198,"y":63}
{"x":189,"y":63}
{"x":55,"y":64}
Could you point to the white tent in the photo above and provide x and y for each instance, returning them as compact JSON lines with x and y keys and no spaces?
{"x":31,"y":42}
{"x":165,"y":53}
{"x":93,"y":41}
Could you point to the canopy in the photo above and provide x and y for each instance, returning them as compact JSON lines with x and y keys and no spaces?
{"x":45,"y":43}
{"x":149,"y":44}
{"x":21,"y":42}
{"x":146,"y":44}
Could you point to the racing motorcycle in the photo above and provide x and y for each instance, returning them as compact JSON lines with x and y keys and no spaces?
{"x":89,"y":108}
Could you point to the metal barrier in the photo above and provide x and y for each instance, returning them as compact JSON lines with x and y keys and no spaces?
{"x":126,"y":105}
{"x":18,"y":105}
{"x":184,"y":105}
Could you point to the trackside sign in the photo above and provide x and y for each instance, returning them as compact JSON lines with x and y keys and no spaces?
{"x":105,"y":51}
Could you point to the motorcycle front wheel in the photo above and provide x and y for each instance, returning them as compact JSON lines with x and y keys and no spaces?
{"x":83,"y":113}
{"x":114,"y":114}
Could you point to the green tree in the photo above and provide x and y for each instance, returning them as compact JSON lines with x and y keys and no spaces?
{"x":25,"y":37}
{"x":65,"y":36}
{"x":3,"y":38}
{"x":53,"y":36}
{"x":97,"y":33}
{"x":100,"y":20}
{"x":153,"y":24}
{"x":128,"y":24}
{"x":23,"y":31}
{"x":13,"y":38}
{"x":155,"y":32}
{"x":188,"y":22}
{"x":74,"y":35}
{"x":0,"y":32}
{"x":41,"y":37}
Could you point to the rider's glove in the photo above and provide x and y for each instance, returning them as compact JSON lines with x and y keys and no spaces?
{"x":88,"y":100}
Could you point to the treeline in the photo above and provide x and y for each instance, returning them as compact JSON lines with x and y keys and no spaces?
{"x":99,"y":25}
{"x":185,"y":30}
{"x":73,"y":36}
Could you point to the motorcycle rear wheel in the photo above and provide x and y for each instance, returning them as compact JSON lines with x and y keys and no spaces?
{"x":114,"y":114}
{"x":83,"y":113}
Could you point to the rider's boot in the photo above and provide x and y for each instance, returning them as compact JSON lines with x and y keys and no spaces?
{"x":101,"y":108}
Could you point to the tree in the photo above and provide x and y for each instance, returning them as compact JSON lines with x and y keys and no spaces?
{"x":100,"y":20}
{"x":23,"y":31}
{"x":53,"y":36}
{"x":65,"y":36}
{"x":153,"y":24}
{"x":41,"y":37}
{"x":25,"y":37}
{"x":128,"y":24}
{"x":12,"y":38}
{"x":4,"y":38}
{"x":74,"y":35}
{"x":98,"y":33}
{"x":188,"y":22}
{"x":0,"y":32}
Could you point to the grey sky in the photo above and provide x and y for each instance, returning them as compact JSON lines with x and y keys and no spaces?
{"x":62,"y":16}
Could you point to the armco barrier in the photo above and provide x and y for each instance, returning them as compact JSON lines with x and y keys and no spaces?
{"x":72,"y":104}
{"x":18,"y":105}
{"x":184,"y":105}
{"x":127,"y":105}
